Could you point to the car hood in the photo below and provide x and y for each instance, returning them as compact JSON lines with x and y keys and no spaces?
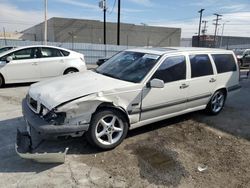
{"x":54,"y":92}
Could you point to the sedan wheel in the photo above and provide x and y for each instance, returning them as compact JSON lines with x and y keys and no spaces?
{"x":70,"y":71}
{"x":107,"y":130}
{"x":1,"y":81}
{"x":216,"y":103}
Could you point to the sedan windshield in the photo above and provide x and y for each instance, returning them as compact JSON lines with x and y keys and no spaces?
{"x":128,"y":66}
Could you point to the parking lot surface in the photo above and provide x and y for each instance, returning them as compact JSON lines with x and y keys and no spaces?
{"x":194,"y":150}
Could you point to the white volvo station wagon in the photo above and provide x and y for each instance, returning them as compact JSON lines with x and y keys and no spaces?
{"x":133,"y":88}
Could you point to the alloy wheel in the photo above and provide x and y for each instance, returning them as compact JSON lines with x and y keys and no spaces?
{"x":109,"y":129}
{"x":217,"y":102}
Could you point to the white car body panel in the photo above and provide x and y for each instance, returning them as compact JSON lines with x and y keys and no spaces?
{"x":82,"y":84}
{"x":36,"y":69}
{"x":21,"y":71}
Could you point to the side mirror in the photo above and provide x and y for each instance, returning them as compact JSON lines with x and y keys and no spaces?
{"x":9,"y":58}
{"x":156,"y":83}
{"x":101,"y":61}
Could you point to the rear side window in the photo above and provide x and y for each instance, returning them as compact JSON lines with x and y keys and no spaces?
{"x":172,"y":69}
{"x":50,"y":52}
{"x":200,"y":65}
{"x":65,"y":53}
{"x":224,"y":62}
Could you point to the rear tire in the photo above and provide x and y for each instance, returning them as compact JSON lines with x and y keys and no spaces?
{"x":108,"y":128}
{"x":1,"y":81}
{"x":70,"y":71}
{"x":216,"y":103}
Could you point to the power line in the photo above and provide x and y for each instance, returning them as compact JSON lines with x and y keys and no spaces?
{"x":113,"y":7}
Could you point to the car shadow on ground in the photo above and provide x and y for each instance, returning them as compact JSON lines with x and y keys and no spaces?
{"x":17,"y":85}
{"x":11,"y":162}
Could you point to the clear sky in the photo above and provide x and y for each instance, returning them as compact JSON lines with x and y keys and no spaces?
{"x":17,"y":15}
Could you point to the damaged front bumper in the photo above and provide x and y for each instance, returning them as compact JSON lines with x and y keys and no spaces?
{"x":47,"y":130}
{"x":37,"y":130}
{"x":25,"y":149}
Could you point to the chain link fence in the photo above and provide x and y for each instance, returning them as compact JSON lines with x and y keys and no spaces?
{"x":92,"y":52}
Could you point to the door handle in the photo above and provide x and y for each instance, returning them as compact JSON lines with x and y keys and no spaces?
{"x":35,"y":63}
{"x":183,"y":86}
{"x":212,"y":80}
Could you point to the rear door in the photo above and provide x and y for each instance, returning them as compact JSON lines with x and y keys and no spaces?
{"x":172,"y":98}
{"x":24,"y":66}
{"x":202,"y":80}
{"x":51,"y":62}
{"x":246,"y":57}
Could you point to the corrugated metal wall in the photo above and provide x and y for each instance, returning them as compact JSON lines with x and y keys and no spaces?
{"x":92,"y":52}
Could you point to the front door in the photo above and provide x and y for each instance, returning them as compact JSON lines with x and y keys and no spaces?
{"x":158,"y":102}
{"x":23,"y":66}
{"x":246,"y":57}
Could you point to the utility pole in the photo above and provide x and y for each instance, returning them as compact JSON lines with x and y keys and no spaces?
{"x":218,"y":17}
{"x":4,"y":36}
{"x":222,"y":33}
{"x":45,"y":21}
{"x":118,"y":21}
{"x":72,"y":34}
{"x":102,"y":5}
{"x":199,"y":32}
{"x":204,"y":30}
{"x":104,"y":18}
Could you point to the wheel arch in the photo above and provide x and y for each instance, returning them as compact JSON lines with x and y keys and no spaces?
{"x":109,"y":105}
{"x":224,"y":90}
{"x":70,"y":68}
{"x":1,"y":75}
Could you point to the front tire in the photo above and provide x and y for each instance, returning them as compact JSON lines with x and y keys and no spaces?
{"x":1,"y":81}
{"x":216,"y":103}
{"x":70,"y":71}
{"x":108,"y":128}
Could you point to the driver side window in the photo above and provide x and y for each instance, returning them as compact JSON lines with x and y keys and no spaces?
{"x":172,"y":69}
{"x":28,"y":53}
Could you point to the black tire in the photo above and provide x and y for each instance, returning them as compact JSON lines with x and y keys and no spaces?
{"x":216,"y":102}
{"x":70,"y":71}
{"x":96,"y":127}
{"x":241,"y":63}
{"x":1,"y":81}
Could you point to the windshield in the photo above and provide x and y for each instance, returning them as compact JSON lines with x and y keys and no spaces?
{"x":4,"y":49}
{"x":128,"y":66}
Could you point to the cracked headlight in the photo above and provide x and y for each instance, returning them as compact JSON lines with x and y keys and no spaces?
{"x":56,"y":118}
{"x":44,"y":111}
